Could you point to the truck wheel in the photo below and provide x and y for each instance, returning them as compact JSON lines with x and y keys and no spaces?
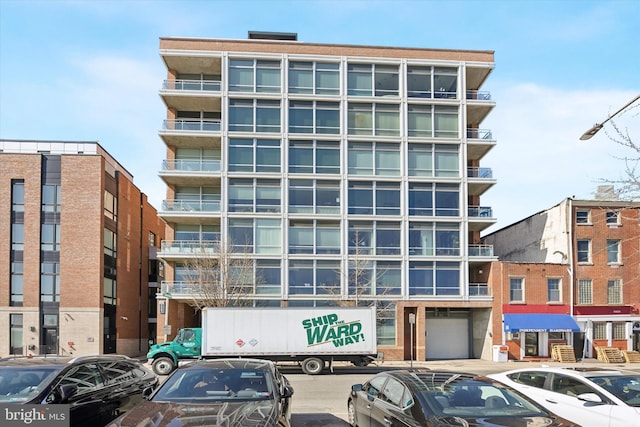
{"x":163,"y":365}
{"x":363,"y":361}
{"x":312,"y":365}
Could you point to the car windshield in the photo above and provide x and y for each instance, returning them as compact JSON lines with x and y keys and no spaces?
{"x":625,"y":388}
{"x":473,"y":398}
{"x":23,"y":383}
{"x":210,"y":384}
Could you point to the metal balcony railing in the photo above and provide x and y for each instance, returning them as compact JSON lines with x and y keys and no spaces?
{"x":478,"y":289}
{"x":481,"y":250}
{"x":188,"y":247}
{"x":479,"y":95}
{"x":479,"y":173}
{"x":179,"y":289}
{"x":480,"y":212}
{"x":191,"y":165}
{"x":194,"y":125}
{"x":191,"y":205}
{"x":195,"y":85}
{"x":479,"y":134}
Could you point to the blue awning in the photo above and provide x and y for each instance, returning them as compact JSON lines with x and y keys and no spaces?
{"x":540,"y":323}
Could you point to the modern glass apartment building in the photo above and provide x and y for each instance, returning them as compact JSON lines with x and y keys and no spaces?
{"x":347,"y":175}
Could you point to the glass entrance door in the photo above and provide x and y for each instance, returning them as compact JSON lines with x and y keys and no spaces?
{"x":530,"y":343}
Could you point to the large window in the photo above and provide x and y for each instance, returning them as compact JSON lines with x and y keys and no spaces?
{"x":314,"y":237}
{"x":254,"y":75}
{"x":110,"y":206}
{"x":17,"y":195}
{"x":432,"y":121}
{"x":314,"y":196}
{"x":374,"y":159}
{"x":619,"y":331}
{"x":17,"y":236}
{"x":427,"y":239}
{"x":613,"y":252}
{"x":314,"y":117}
{"x":51,"y":198}
{"x":433,"y":160}
{"x":434,"y":278}
{"x":260,"y":236}
{"x":16,"y":340}
{"x":428,"y":199}
{"x":198,"y":198}
{"x":50,"y":237}
{"x":268,"y":277}
{"x":553,"y":290}
{"x":380,"y":198}
{"x":432,"y":82}
{"x":206,"y":121}
{"x":614,"y":291}
{"x":386,"y":322}
{"x":314,"y":277}
{"x":254,"y":155}
{"x":320,"y":78}
{"x":373,"y":119}
{"x":372,"y":80}
{"x":613,"y":218}
{"x":254,"y":195}
{"x":374,"y":237}
{"x":50,"y":282}
{"x":369,"y":278}
{"x":17,"y":284}
{"x":254,"y":115}
{"x":110,"y":243}
{"x":319,"y":157}
{"x":195,"y":159}
{"x":584,"y":250}
{"x":585,"y":291}
{"x":197,"y":232}
{"x":516,"y":289}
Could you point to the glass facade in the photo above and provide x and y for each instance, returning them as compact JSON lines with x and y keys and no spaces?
{"x":343,"y":179}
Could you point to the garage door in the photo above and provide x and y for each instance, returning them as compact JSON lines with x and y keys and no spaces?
{"x":447,"y":338}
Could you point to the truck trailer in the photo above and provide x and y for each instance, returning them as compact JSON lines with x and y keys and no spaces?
{"x":312,"y":337}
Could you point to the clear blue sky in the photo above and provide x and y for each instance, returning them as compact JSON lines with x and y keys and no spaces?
{"x":91,"y":71}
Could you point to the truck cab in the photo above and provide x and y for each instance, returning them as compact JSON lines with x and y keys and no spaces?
{"x":186,"y":345}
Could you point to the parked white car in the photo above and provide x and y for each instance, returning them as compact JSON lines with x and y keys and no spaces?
{"x":591,"y":397}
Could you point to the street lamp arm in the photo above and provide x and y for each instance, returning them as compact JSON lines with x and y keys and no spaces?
{"x":588,"y":134}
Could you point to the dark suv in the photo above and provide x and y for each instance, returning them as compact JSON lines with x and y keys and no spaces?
{"x":96,"y":388}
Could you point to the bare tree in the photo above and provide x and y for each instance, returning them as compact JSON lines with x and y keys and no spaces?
{"x":627,"y":186}
{"x":222,"y":275}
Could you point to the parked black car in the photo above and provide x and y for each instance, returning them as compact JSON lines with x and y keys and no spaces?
{"x":96,"y":388}
{"x":437,"y":399}
{"x":219,"y":392}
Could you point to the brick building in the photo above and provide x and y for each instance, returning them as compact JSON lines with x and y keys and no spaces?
{"x":579,"y":258}
{"x":75,"y":264}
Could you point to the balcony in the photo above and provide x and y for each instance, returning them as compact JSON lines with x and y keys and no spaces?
{"x":179,"y":290}
{"x":190,"y":172}
{"x":479,"y":143}
{"x":479,"y":180}
{"x":181,"y":249}
{"x":191,"y":133}
{"x":480,"y":254}
{"x":479,"y":289}
{"x":480,"y":217}
{"x":192,"y":95}
{"x":479,"y":105}
{"x":189,"y":211}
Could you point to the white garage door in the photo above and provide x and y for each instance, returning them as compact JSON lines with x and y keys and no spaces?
{"x":447,"y":338}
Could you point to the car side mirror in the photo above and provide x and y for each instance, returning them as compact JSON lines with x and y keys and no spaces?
{"x":65,"y":391}
{"x":287,"y":392}
{"x":590,"y":397}
{"x":356,"y":387}
{"x":147,"y":391}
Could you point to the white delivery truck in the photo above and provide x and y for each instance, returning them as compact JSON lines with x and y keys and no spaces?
{"x":313,"y":337}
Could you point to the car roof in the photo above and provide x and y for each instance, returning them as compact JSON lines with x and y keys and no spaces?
{"x":421,"y":379}
{"x":60,"y":360}
{"x":582,"y":371}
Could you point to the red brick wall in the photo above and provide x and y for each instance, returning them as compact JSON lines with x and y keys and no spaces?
{"x":28,"y":168}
